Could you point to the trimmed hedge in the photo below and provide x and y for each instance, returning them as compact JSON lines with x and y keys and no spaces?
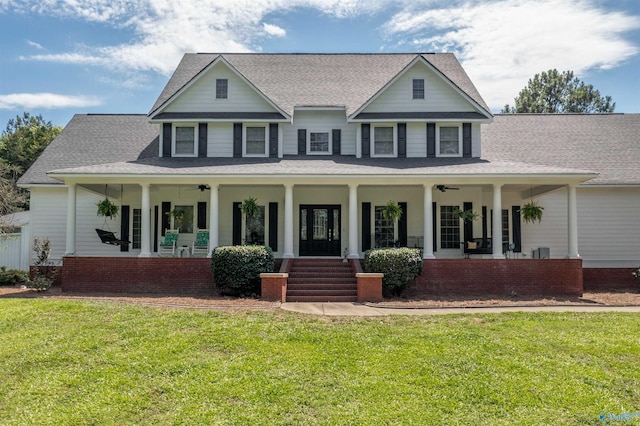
{"x":12,"y":276}
{"x":399,"y":266}
{"x":238,"y":268}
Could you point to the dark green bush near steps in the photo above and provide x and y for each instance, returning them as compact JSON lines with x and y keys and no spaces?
{"x":12,"y":276}
{"x":399,"y":266}
{"x":236,"y":269}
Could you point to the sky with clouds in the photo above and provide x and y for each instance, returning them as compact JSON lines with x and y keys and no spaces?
{"x":61,"y":57}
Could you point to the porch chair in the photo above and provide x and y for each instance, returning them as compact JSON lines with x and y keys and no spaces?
{"x":168,"y":245}
{"x":201,"y":243}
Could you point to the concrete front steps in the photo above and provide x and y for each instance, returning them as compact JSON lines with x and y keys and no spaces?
{"x":321,"y":280}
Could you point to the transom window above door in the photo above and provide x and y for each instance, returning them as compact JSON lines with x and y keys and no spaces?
{"x":319,"y":143}
{"x":384,"y":141}
{"x":255,"y":141}
{"x":449,"y":140}
{"x":184,"y":140}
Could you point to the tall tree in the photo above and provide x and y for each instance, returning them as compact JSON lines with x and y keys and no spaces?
{"x":554,"y":92}
{"x":12,"y":198}
{"x":24,"y":139}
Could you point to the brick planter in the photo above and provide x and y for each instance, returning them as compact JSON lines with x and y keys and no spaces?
{"x":274,"y":286}
{"x":369,"y":287}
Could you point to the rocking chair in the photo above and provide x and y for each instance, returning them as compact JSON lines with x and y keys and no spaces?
{"x":168,"y":245}
{"x":201,"y":243}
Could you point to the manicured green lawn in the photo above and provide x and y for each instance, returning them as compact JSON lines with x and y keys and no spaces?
{"x":74,"y":362}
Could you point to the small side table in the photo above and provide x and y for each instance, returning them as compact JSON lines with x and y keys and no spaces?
{"x":182,"y":250}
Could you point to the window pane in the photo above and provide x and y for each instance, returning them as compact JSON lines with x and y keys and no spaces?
{"x":221,"y":88}
{"x":303,"y":224}
{"x":319,"y":142}
{"x":418,"y":89}
{"x":383,"y":140}
{"x":449,"y":142}
{"x":320,"y":224}
{"x":384,"y":229}
{"x":137,"y":228}
{"x":505,"y":226}
{"x":449,"y":228}
{"x":185,"y":140}
{"x":254,"y":229}
{"x":183,"y":221}
{"x":255,"y":140}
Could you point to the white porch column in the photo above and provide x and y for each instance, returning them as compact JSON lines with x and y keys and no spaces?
{"x":288,"y":221}
{"x":145,"y":231}
{"x":353,"y":221}
{"x":496,"y":225}
{"x":213,"y":218}
{"x":572,"y":222}
{"x":70,"y":248}
{"x":427,"y":242}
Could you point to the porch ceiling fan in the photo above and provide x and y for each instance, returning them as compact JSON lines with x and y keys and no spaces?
{"x":201,"y":187}
{"x":444,"y":188}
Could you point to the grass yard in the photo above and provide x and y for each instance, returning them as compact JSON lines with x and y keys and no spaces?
{"x":78,"y":362}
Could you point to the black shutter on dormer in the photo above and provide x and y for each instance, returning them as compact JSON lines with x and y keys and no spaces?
{"x":302,"y":141}
{"x":202,"y":140}
{"x":337,"y":143}
{"x":402,"y":140}
{"x":273,"y":140}
{"x":166,"y":139}
{"x":466,"y":139}
{"x":237,"y":140}
{"x":366,"y":139}
{"x":431,"y":139}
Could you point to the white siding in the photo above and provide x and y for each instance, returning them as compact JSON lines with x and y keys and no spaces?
{"x":220,"y":140}
{"x":476,"y":140}
{"x":201,"y":96}
{"x":416,"y":140}
{"x":439,"y":96}
{"x":320,"y":121}
{"x":49,"y":217}
{"x":11,"y":248}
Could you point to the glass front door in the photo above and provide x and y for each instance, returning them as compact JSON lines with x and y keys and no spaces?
{"x":320,"y":230}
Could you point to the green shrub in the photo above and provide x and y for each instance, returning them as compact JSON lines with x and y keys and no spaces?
{"x":12,"y":276}
{"x":399,"y":266}
{"x":238,"y":268}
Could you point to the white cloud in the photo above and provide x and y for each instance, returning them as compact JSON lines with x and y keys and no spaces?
{"x":504,"y":43}
{"x":274,"y":30}
{"x":34,"y":44}
{"x":45,"y":100}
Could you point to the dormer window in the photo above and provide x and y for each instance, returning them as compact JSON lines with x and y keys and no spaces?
{"x":222,"y":88}
{"x":184,"y":140}
{"x":418,"y":88}
{"x":255,"y":141}
{"x":319,"y":143}
{"x":449,"y":140}
{"x":384,"y":141}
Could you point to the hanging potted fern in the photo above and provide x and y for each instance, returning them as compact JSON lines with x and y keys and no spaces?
{"x":249,"y":208}
{"x":392,"y":211}
{"x":106,"y":208}
{"x":531,"y":212}
{"x":466,"y":215}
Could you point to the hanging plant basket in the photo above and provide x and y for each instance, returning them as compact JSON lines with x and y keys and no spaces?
{"x":531,"y":212}
{"x":181,"y":216}
{"x":107,"y":209}
{"x":466,"y":215}
{"x":392,"y":211}
{"x":249,"y":207}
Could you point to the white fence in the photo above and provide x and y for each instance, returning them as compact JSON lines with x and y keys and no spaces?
{"x":14,"y":251}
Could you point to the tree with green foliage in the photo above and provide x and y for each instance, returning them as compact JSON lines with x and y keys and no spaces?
{"x":553,"y":92}
{"x":24,"y":139}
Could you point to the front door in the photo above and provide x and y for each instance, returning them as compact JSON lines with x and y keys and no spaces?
{"x":320,"y":230}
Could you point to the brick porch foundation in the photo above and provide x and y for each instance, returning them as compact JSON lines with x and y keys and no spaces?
{"x":605,"y":279}
{"x":500,"y":277}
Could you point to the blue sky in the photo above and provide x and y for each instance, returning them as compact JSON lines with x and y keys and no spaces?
{"x":61,"y":57}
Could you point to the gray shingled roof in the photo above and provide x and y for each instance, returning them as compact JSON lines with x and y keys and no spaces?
{"x":290,"y":80}
{"x":95,"y":139}
{"x":606,"y":143}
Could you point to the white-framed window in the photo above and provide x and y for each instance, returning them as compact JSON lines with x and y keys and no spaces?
{"x":449,"y":140}
{"x":384,"y":140}
{"x":254,"y":228}
{"x":449,"y":228}
{"x":418,"y":88}
{"x":384,"y":232}
{"x":319,"y":143}
{"x":222,"y":88}
{"x":185,"y":137}
{"x":254,"y":140}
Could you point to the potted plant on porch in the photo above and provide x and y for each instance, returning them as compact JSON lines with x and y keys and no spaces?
{"x":466,"y":215}
{"x":106,"y":208}
{"x":531,"y":212}
{"x":181,"y":216}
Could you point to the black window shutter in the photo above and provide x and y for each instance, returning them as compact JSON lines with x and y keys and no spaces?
{"x":202,"y":214}
{"x":237,"y":224}
{"x":155,"y":228}
{"x":273,"y":140}
{"x":166,"y":220}
{"x":434,"y":214}
{"x":402,"y":140}
{"x":402,"y":226}
{"x":468,"y":225}
{"x":485,"y":233}
{"x":516,"y":232}
{"x":124,"y":226}
{"x":366,"y":226}
{"x":431,"y":139}
{"x":366,"y":139}
{"x":466,"y":139}
{"x":302,"y":141}
{"x":237,"y":140}
{"x":337,"y":142}
{"x":166,"y":139}
{"x":273,"y":226}
{"x":202,"y":140}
